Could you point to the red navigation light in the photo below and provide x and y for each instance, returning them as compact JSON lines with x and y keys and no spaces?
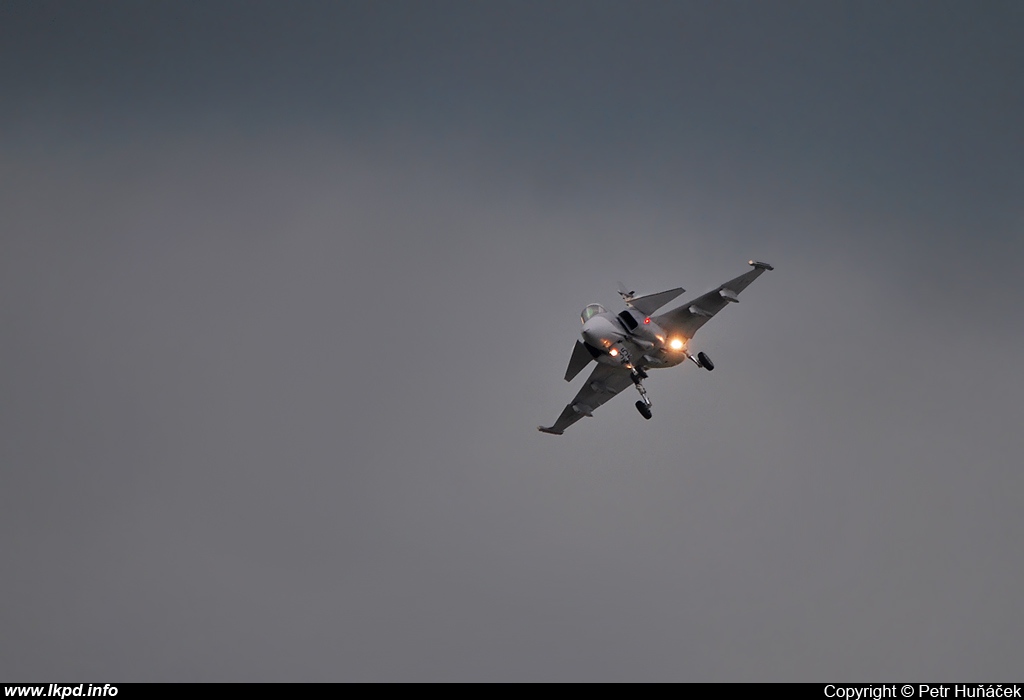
{"x":647,"y":320}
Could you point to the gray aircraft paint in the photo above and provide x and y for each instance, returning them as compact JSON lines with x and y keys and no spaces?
{"x":286,"y":288}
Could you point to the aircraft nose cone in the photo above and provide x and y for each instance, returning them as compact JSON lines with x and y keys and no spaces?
{"x":592,"y":337}
{"x":599,"y":332}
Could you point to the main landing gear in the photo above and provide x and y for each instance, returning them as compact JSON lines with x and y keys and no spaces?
{"x":702,"y":360}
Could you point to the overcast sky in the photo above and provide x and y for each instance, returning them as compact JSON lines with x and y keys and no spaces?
{"x":286,"y":288}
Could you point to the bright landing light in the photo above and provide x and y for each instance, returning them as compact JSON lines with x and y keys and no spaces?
{"x":676,"y":344}
{"x":613,"y":352}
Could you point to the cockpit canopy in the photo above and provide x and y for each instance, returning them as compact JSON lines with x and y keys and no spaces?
{"x":591,"y":311}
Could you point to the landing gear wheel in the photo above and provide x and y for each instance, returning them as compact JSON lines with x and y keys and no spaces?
{"x":705,"y":361}
{"x":644,"y":409}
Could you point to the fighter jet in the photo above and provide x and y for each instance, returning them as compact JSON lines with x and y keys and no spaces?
{"x":627,"y":344}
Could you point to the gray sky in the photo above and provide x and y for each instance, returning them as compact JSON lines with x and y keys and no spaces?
{"x":286,"y":288}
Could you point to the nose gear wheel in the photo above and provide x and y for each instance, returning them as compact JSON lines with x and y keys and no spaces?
{"x":637,"y":375}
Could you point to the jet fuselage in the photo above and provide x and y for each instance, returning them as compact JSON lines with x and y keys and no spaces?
{"x":645,"y":343}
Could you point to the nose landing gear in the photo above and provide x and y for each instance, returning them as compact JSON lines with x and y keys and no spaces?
{"x":637,"y":375}
{"x":644,"y":404}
